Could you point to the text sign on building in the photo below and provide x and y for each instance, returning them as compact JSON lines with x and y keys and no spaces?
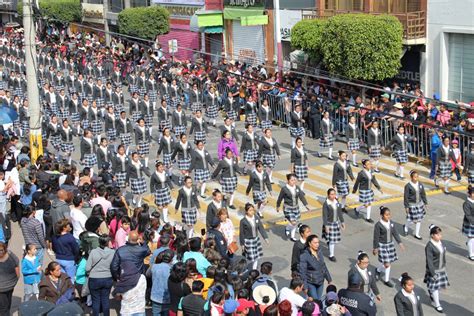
{"x":179,"y":10}
{"x":173,"y":46}
{"x":93,"y":13}
{"x":183,"y":2}
{"x":245,"y":3}
{"x":288,"y":19}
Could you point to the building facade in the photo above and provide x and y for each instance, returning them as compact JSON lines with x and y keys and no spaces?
{"x":8,"y":11}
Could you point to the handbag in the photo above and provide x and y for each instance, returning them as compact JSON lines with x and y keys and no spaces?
{"x":85,"y":288}
{"x":233,"y":247}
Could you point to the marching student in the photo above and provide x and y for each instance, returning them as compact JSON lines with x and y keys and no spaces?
{"x":201,"y":160}
{"x":110,"y":124}
{"x":228,"y":126}
{"x":142,"y":84}
{"x":415,"y":203}
{"x":249,"y":229}
{"x":231,"y":107}
{"x":213,"y":207}
{"x":444,"y":155}
{"x":152,"y":90}
{"x":118,"y":101}
{"x":399,"y":144}
{"x":297,"y":125}
{"x":146,"y":108}
{"x":179,"y":120}
{"x":195,"y":99}
{"x":333,"y":222}
{"x":367,"y":274}
{"x":74,"y":112}
{"x":340,"y":173}
{"x":120,"y":164}
{"x":166,"y":146}
{"x":268,"y":151}
{"x":95,"y":121}
{"x":88,"y":156}
{"x":134,"y":107}
{"x":188,"y":200}
{"x":469,"y":164}
{"x":289,"y":195}
{"x":259,"y":182}
{"x":365,"y":180}
{"x":124,"y":130}
{"x":299,"y":162}
{"x":183,"y":150}
{"x":375,"y":144}
{"x":468,"y":221}
{"x":327,"y":136}
{"x":165,"y":90}
{"x":265,"y":115}
{"x":384,"y":233}
{"x":160,"y":186}
{"x":136,"y":177}
{"x":228,"y":168}
{"x":407,"y":303}
{"x":67,"y":135}
{"x":176,"y":94}
{"x":142,"y":140}
{"x":212,"y":106}
{"x":53,"y":133}
{"x":249,"y":148}
{"x":198,"y":127}
{"x":353,"y":139}
{"x":251,"y":112}
{"x":24,"y":117}
{"x":299,"y":246}
{"x":104,"y":156}
{"x":435,"y":274}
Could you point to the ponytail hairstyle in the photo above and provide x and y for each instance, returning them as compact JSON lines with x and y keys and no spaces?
{"x":51,"y":267}
{"x":434,"y":230}
{"x":361,"y":255}
{"x":28,"y":247}
{"x":302,"y":228}
{"x":470,"y":190}
{"x":404,"y":278}
{"x":383,"y":210}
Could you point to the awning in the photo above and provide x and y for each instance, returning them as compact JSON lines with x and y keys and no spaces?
{"x":209,"y":18}
{"x":254,"y":20}
{"x":237,"y":14}
{"x":212,"y":29}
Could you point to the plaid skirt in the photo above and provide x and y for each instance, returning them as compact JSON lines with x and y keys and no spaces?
{"x":100,"y":102}
{"x":196,"y":106}
{"x":148,"y":120}
{"x":297,"y":131}
{"x":56,"y":142}
{"x":96,"y":127}
{"x":143,"y":148}
{"x":470,"y":177}
{"x":251,"y":155}
{"x":179,"y":129}
{"x":173,"y":103}
{"x":326,"y":142}
{"x":468,"y":230}
{"x":445,"y":169}
{"x":63,"y":114}
{"x":136,"y":115}
{"x":334,"y":235}
{"x":253,"y":249}
{"x":118,"y":108}
{"x":375,"y":152}
{"x":200,"y":136}
{"x":189,"y":215}
{"x":126,"y":139}
{"x":54,"y":108}
{"x":251,"y":119}
{"x":75,"y":118}
{"x":301,"y":172}
{"x":90,"y":160}
{"x":184,"y":164}
{"x":416,"y":212}
{"x":85,"y":124}
{"x":292,"y":213}
{"x":138,"y":185}
{"x":25,"y":126}
{"x":121,"y":179}
{"x":153,"y":96}
{"x":165,"y":124}
{"x":163,"y":196}
{"x":342,"y":188}
{"x":16,"y":123}
{"x":387,"y":253}
{"x":142,"y":91}
{"x":259,"y":196}
{"x":167,"y":160}
{"x":366,"y":196}
{"x":269,"y":160}
{"x":211,"y":112}
{"x":353,"y":144}
{"x":440,"y":281}
{"x":266,"y":124}
{"x":231,"y":114}
{"x":132,"y":88}
{"x":229,"y":184}
{"x":67,"y":147}
{"x":3,"y":85}
{"x":401,"y":156}
{"x":111,"y":134}
{"x":202,"y":175}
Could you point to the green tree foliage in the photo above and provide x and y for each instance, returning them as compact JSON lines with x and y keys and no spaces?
{"x":307,"y":35}
{"x":144,"y":22}
{"x":63,"y":11}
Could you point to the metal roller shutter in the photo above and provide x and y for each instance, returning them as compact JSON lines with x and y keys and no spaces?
{"x":216,"y":47}
{"x":248,"y":43}
{"x":461,"y":67}
{"x":188,"y":43}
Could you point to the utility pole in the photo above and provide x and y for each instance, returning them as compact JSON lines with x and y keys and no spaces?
{"x":106,"y":23}
{"x":36,"y":142}
{"x":276,"y":5}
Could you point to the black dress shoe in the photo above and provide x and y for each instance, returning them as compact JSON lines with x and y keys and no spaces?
{"x":357,"y":213}
{"x":344,"y":210}
{"x":333,"y":259}
{"x":330,"y":158}
{"x":319,"y":155}
{"x":389,"y":283}
{"x":356,"y":165}
{"x":293,"y":239}
{"x":376,"y":170}
{"x":260,"y":214}
{"x":369,"y":220}
{"x":418,"y":237}
{"x":439,"y":309}
{"x":447,"y":192}
{"x":232,"y":207}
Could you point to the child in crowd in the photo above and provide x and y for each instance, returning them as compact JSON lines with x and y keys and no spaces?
{"x":455,"y":164}
{"x":31,"y":270}
{"x":122,"y":232}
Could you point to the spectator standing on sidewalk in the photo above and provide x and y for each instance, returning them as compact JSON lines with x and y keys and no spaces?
{"x":435,"y":143}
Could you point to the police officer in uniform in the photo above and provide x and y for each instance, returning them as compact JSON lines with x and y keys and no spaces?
{"x":355,"y":300}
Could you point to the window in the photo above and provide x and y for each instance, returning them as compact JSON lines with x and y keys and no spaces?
{"x":461,"y":67}
{"x":115,"y":6}
{"x":95,"y":1}
{"x":139,"y":3}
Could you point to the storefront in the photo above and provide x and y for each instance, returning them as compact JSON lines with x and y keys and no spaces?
{"x":288,"y":19}
{"x":210,"y":24}
{"x":92,"y":20}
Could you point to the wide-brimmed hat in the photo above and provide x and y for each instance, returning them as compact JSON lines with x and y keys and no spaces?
{"x":398,"y":105}
{"x":264,"y":295}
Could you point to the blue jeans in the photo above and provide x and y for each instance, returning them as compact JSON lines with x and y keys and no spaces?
{"x":68,"y":267}
{"x":100,"y":292}
{"x":160,"y":309}
{"x":315,"y":290}
{"x":40,"y":255}
{"x":433,"y":164}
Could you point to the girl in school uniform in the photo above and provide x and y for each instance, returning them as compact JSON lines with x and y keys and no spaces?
{"x":444,"y":155}
{"x":124,"y":130}
{"x":228,"y":168}
{"x":188,"y":200}
{"x":110,"y":124}
{"x":375,"y":144}
{"x":212,"y":105}
{"x":179,"y":120}
{"x":166,"y":146}
{"x":120,"y":164}
{"x":165,"y":90}
{"x":249,"y":148}
{"x":67,"y":135}
{"x":265,"y":115}
{"x":469,"y":164}
{"x":407,"y":303}
{"x":231,"y":107}
{"x":341,"y":173}
{"x":24,"y":116}
{"x":353,"y":139}
{"x":146,"y":108}
{"x":134,"y":107}
{"x":259,"y":183}
{"x":88,"y":156}
{"x":436,"y":277}
{"x":142,"y":84}
{"x":383,"y":245}
{"x":132,"y":83}
{"x":327,"y":136}
{"x":195,"y":98}
{"x":268,"y":151}
{"x":468,"y":221}
{"x":367,"y":274}
{"x":74,"y":111}
{"x":333,"y":222}
{"x":182,"y":149}
{"x":297,"y":125}
{"x":53,"y":133}
{"x":118,"y":101}
{"x":95,"y":121}
{"x":198,"y":127}
{"x":415,"y":202}
{"x":201,"y":160}
{"x":136,"y":177}
{"x":299,"y":162}
{"x":290,"y":194}
{"x":251,"y":112}
{"x":399,"y":145}
{"x":164,"y":116}
{"x":160,"y":186}
{"x":142,"y":140}
{"x":176,"y":94}
{"x":152,"y":90}
{"x":250,"y":227}
{"x":365,"y":180}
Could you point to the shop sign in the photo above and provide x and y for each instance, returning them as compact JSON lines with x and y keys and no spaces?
{"x":185,"y":2}
{"x":93,"y":13}
{"x":288,"y":19}
{"x":180,"y":10}
{"x":246,"y":3}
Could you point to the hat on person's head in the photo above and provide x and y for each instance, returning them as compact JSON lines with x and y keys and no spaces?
{"x":93,"y":224}
{"x":398,"y":105}
{"x":264,"y":295}
{"x":436,"y":96}
{"x":385,"y":95}
{"x":215,"y":222}
{"x":243,"y":304}
{"x":331,"y":297}
{"x":354,"y":279}
{"x":455,"y":141}
{"x":333,"y":310}
{"x":230,"y":306}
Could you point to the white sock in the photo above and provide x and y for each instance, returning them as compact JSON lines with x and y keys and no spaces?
{"x":146,"y":161}
{"x":376,"y":163}
{"x":446,"y":185}
{"x":151,"y":130}
{"x":261,"y":207}
{"x":435,"y":296}
{"x":387,"y":274}
{"x":255,"y":265}
{"x":293,"y":140}
{"x":203,"y":188}
{"x":397,"y":171}
{"x":331,"y":249}
{"x":165,"y":214}
{"x":354,"y":159}
{"x":401,"y":171}
{"x":293,"y":231}
{"x":330,"y":152}
{"x":231,"y":199}
{"x":190,"y":232}
{"x":69,"y":159}
{"x":302,"y":185}
{"x":470,"y":245}
{"x":139,"y":201}
{"x":417,"y":229}
{"x":270,"y":173}
{"x":343,"y":202}
{"x":369,"y":209}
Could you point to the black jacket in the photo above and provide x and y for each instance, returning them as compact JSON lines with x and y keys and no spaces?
{"x":258,"y":185}
{"x":226,"y":170}
{"x":410,"y":196}
{"x":246,"y":232}
{"x":211,"y":212}
{"x":468,"y":208}
{"x":404,"y":306}
{"x":134,"y":253}
{"x":297,"y":158}
{"x":187,"y":201}
{"x":200,"y":162}
{"x":313,"y":270}
{"x":435,"y":262}
{"x":357,"y":302}
{"x":397,"y":143}
{"x":287,"y":198}
{"x":298,"y":248}
{"x":364,"y":183}
{"x":330,"y":214}
{"x":248,"y":143}
{"x":384,"y":235}
{"x":339,"y":173}
{"x":374,"y":139}
{"x":372,"y":284}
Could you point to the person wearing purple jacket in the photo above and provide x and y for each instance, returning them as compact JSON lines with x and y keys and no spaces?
{"x":227,"y":142}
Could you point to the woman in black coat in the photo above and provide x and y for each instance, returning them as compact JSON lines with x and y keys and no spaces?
{"x":407,"y":303}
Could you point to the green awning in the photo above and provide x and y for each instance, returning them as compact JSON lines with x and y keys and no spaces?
{"x":237,"y":14}
{"x":212,"y":29}
{"x":254,"y":20}
{"x":209,"y":19}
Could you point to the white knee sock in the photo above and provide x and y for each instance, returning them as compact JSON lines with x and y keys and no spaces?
{"x":401,"y":171}
{"x":139,"y":201}
{"x":417,"y":229}
{"x":231,"y":199}
{"x":330,"y":152}
{"x":302,"y":185}
{"x":270,"y":173}
{"x":293,"y":231}
{"x":203,"y":188}
{"x":376,"y":164}
{"x":435,"y":296}
{"x":165,"y":214}
{"x":331,"y":249}
{"x":190,"y":231}
{"x":446,"y":185}
{"x":369,"y":209}
{"x":146,"y":161}
{"x":343,"y":202}
{"x":354,"y":159}
{"x":387,"y":274}
{"x":470,"y":245}
{"x":255,"y":265}
{"x":261,"y":207}
{"x":293,"y":140}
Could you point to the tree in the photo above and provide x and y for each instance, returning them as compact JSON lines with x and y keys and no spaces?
{"x":60,"y":11}
{"x":307,"y":35}
{"x":144,"y":22}
{"x":361,"y":46}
